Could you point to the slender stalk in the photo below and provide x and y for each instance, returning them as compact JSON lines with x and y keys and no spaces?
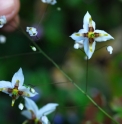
{"x":73,"y":82}
{"x":43,"y":53}
{"x":87,"y":73}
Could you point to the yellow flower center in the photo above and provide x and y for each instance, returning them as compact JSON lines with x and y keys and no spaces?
{"x":91,"y":35}
{"x":15,"y":92}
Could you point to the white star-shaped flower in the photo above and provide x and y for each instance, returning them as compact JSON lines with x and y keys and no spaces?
{"x":15,"y":88}
{"x":52,"y":2}
{"x":32,"y":31}
{"x":89,"y":36}
{"x":2,"y":21}
{"x":36,"y":115}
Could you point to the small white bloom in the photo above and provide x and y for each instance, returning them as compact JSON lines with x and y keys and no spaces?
{"x":89,"y":36}
{"x":32,"y":31}
{"x":32,"y":90}
{"x":78,"y":44}
{"x":2,"y":21}
{"x":110,"y":49}
{"x":38,"y":115}
{"x":2,"y":39}
{"x":52,"y":2}
{"x":33,"y":48}
{"x":15,"y":88}
{"x":21,"y":106}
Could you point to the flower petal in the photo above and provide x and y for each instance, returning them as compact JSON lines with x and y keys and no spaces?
{"x":26,"y":113}
{"x":86,"y":21}
{"x":76,"y":36}
{"x":44,"y":120}
{"x":103,"y":36}
{"x":47,"y":109}
{"x":27,"y":92}
{"x":4,"y":85}
{"x":87,"y":48}
{"x":31,"y":105}
{"x":18,"y":76}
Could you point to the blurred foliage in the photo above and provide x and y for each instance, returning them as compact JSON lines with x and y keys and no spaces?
{"x":55,"y":27}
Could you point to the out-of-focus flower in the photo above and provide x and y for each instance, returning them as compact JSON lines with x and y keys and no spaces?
{"x":21,"y":106}
{"x":38,"y":116}
{"x":52,"y":2}
{"x":32,"y":31}
{"x":78,"y":44}
{"x":15,"y":88}
{"x":110,"y":49}
{"x":2,"y":21}
{"x":89,"y":35}
{"x":2,"y":39}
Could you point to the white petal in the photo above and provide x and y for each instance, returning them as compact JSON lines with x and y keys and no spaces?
{"x":75,"y":37}
{"x":4,"y":85}
{"x":27,"y":91}
{"x":103,"y":38}
{"x":44,"y":120}
{"x":86,"y":22}
{"x":110,"y":49}
{"x":47,"y":109}
{"x":18,"y":76}
{"x":87,"y":50}
{"x":31,"y":105}
{"x":27,"y":114}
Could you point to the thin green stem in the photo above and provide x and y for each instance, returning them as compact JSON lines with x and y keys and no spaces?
{"x":43,"y":53}
{"x":87,"y":73}
{"x":95,"y":103}
{"x":73,"y":82}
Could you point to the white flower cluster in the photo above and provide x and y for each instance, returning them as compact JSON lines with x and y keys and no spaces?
{"x":52,"y":2}
{"x":32,"y":31}
{"x":2,"y":21}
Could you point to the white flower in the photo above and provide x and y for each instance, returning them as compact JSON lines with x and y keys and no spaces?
{"x":110,"y":49}
{"x":21,"y":106}
{"x":90,"y":36}
{"x":38,"y":115}
{"x":2,"y":21}
{"x":2,"y":39}
{"x":32,"y":31}
{"x":15,"y":88}
{"x":52,"y":2}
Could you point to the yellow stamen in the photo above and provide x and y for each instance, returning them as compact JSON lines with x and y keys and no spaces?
{"x":91,"y":35}
{"x":13,"y":101}
{"x":90,"y":22}
{"x":103,"y":34}
{"x":1,"y":89}
{"x":90,"y":47}
{"x":77,"y":34}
